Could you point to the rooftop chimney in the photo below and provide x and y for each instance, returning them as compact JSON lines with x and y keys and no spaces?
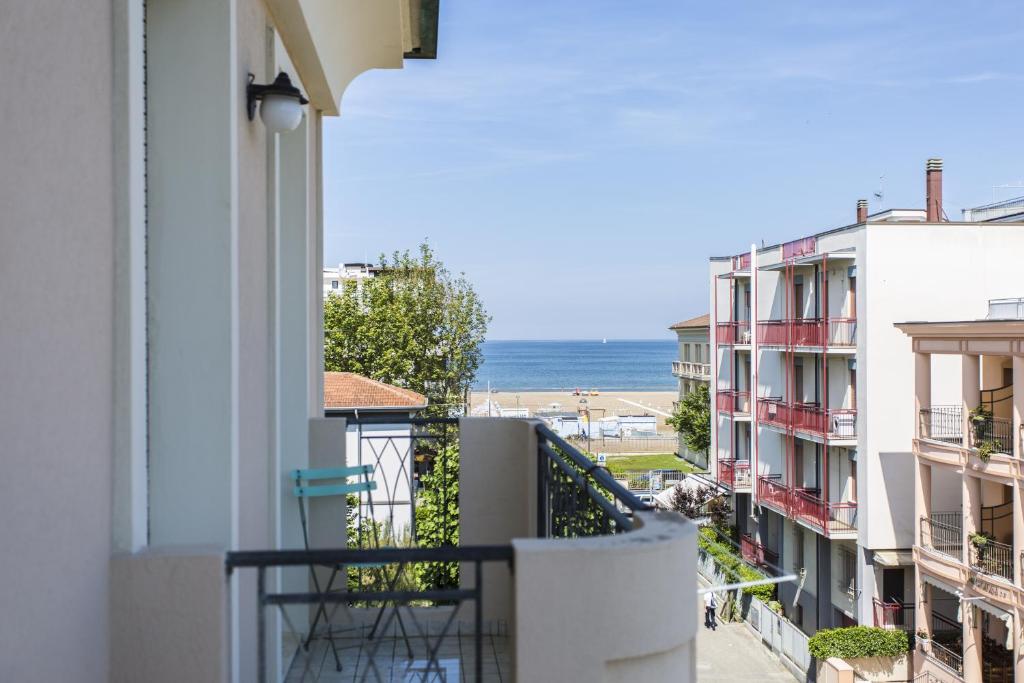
{"x":933,"y":190}
{"x":862,"y":211}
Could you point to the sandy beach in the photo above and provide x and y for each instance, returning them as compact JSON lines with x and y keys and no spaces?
{"x":604,"y":404}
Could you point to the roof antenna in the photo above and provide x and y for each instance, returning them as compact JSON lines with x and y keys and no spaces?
{"x":880,"y":195}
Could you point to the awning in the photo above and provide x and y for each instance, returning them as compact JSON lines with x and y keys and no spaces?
{"x":939,"y":583}
{"x":1002,"y":615}
{"x":894,"y":558}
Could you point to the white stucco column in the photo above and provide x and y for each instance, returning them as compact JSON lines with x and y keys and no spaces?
{"x":922,"y":387}
{"x":970,"y":382}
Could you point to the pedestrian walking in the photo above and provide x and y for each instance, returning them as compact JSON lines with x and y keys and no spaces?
{"x":710,"y":605}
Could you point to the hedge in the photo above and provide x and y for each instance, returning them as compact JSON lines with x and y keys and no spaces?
{"x":729,"y":563}
{"x":857,"y":641}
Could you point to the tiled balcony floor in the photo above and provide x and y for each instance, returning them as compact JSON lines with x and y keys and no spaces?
{"x":389,"y":662}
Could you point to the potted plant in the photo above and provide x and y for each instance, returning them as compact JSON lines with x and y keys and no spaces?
{"x":922,"y":638}
{"x":981,"y":426}
{"x":980,"y":541}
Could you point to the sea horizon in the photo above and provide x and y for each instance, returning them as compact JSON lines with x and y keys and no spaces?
{"x":567,"y":364}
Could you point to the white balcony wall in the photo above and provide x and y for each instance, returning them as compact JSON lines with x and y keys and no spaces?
{"x":840,"y":389}
{"x":841,"y":469}
{"x":771,"y":374}
{"x":57,"y":156}
{"x":771,"y":452}
{"x":839,"y":296}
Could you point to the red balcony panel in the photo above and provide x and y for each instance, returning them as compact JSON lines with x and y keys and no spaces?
{"x":726,"y":471}
{"x":773,"y":412}
{"x":731,"y":402}
{"x":806,"y":332}
{"x":734,"y":473}
{"x":773,"y":492}
{"x":842,"y":331}
{"x":893,"y":615}
{"x":731,"y":333}
{"x":755,"y":553}
{"x":842,"y":517}
{"x":809,"y":507}
{"x":800,"y":247}
{"x":741,"y":262}
{"x":772,"y":332}
{"x":742,"y":474}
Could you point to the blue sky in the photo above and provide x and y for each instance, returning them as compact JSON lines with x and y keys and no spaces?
{"x":580,"y":160}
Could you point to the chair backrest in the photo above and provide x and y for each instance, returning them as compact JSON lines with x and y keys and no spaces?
{"x":332,"y":474}
{"x":331,"y":481}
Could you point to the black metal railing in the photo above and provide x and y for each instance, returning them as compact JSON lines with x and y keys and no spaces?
{"x":395,"y":623}
{"x":946,"y":657}
{"x":996,"y":431}
{"x":415,"y":462}
{"x":993,"y":557}
{"x":943,"y":423}
{"x":576,"y":497}
{"x":943,"y":532}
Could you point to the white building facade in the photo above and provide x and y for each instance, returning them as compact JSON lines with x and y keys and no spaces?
{"x":810,"y":422}
{"x":693,"y":369}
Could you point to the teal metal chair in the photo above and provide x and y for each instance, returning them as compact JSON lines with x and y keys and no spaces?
{"x":335,"y":481}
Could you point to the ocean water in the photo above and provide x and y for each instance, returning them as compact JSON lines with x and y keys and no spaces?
{"x":618,"y":365}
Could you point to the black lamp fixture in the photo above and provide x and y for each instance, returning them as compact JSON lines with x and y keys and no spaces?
{"x":280,"y":103}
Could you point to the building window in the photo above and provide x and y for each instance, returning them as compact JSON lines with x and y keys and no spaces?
{"x":848,"y":572}
{"x":334,"y":284}
{"x":686,"y":352}
{"x":696,"y":347}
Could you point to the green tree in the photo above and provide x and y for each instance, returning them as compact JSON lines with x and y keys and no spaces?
{"x":414,"y":325}
{"x":437,"y":517}
{"x":692,"y":419}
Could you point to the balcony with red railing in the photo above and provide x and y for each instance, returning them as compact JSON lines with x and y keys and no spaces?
{"x":732,"y":402}
{"x":830,"y":518}
{"x":816,"y":333}
{"x":733,"y":333}
{"x":895,"y":616}
{"x":734,"y":473}
{"x":756,"y":553}
{"x":835,"y":424}
{"x":741,"y":262}
{"x":800,"y":247}
{"x":772,"y":492}
{"x":773,"y":411}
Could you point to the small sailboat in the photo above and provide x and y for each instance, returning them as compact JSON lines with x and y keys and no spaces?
{"x":604,"y":341}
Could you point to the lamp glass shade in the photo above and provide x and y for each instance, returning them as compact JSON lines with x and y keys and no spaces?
{"x":280,"y":113}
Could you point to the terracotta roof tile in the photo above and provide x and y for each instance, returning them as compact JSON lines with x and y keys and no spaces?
{"x":699,"y":321}
{"x":349,"y":390}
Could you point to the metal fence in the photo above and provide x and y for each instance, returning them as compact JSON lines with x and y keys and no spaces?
{"x":997,"y":431}
{"x":943,"y":532}
{"x":947,"y":658}
{"x":393,"y":626}
{"x":627,"y":444}
{"x":575,"y":496}
{"x":993,"y":557}
{"x":943,"y":423}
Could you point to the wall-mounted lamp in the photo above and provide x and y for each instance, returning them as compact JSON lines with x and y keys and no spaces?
{"x":280,"y":103}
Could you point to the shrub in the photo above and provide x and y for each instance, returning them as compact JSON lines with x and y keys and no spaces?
{"x":732,"y":566}
{"x":857,"y":641}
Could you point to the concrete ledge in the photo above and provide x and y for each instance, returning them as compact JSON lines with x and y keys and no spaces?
{"x":169,"y":616}
{"x":625,"y":604}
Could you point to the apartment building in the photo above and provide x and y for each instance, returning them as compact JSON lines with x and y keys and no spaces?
{"x":693,"y":369}
{"x":334,"y":278}
{"x":810,"y":429}
{"x":968,"y":398}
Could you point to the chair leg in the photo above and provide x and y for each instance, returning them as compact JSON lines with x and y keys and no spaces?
{"x":321,"y":606}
